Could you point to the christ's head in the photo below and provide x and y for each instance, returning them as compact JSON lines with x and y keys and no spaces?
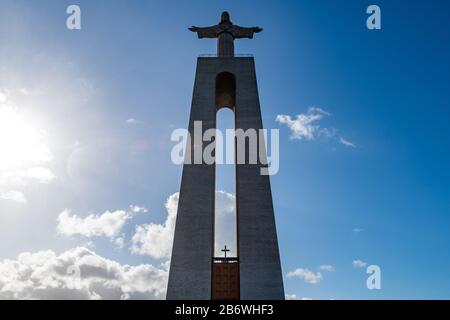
{"x":225,"y":17}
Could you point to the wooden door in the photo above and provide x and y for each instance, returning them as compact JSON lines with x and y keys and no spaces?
{"x":225,"y":284}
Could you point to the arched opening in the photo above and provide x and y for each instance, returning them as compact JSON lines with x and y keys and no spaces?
{"x":225,"y":272}
{"x":225,"y":228}
{"x":225,"y":90}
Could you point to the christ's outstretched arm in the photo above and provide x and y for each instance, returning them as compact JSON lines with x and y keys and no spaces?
{"x":206,"y":32}
{"x":241,"y":32}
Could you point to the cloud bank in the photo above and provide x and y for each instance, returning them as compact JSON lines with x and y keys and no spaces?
{"x":108,"y":224}
{"x":78,"y":273}
{"x":153,"y":239}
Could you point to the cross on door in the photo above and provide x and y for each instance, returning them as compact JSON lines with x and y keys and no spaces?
{"x":225,"y":250}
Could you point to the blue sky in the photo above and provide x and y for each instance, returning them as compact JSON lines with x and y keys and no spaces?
{"x":387,"y":92}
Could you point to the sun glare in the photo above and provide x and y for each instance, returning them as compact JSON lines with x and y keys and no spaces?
{"x":21,"y":143}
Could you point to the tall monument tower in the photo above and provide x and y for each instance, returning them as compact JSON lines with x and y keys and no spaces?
{"x":221,"y":81}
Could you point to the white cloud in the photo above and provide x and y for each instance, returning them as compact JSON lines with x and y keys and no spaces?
{"x":10,"y":180}
{"x":133,"y":121}
{"x":359,"y":264}
{"x":304,"y":126}
{"x":327,"y":267}
{"x":154,"y":239}
{"x":24,"y":91}
{"x":294,"y":297}
{"x":225,"y":226}
{"x":26,"y":177}
{"x":346,"y":143}
{"x":307,"y":275}
{"x":318,"y":110}
{"x":108,"y":224}
{"x":78,"y":273}
{"x":138,"y":209}
{"x":12,"y":195}
{"x":225,"y":203}
{"x":358,"y":230}
{"x":3,"y":96}
{"x":120,"y":242}
{"x":88,"y":244}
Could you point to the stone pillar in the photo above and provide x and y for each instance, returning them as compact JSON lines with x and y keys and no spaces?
{"x":259,"y":260}
{"x":193,"y":246}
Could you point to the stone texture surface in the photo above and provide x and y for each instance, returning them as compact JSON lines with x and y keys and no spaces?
{"x":193,"y":249}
